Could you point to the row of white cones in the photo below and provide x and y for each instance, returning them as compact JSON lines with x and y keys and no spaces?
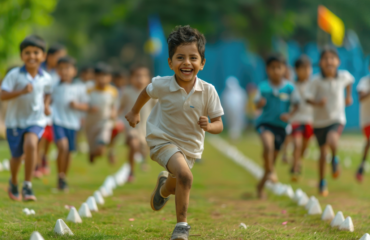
{"x":5,"y":165}
{"x":311,"y":204}
{"x":91,"y":205}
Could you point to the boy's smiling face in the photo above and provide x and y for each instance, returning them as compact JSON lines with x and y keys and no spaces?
{"x":32,"y":57}
{"x":275,"y":71}
{"x":66,"y":72}
{"x":186,"y":62}
{"x":329,"y":64}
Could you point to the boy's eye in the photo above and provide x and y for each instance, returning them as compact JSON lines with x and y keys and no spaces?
{"x":194,"y":58}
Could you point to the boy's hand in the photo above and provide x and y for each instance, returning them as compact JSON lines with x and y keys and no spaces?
{"x":349,"y":100}
{"x":204,"y":123}
{"x":285,"y":117}
{"x":133,"y":118}
{"x":73,"y":105}
{"x":27,"y":89}
{"x":93,"y":109}
{"x":321,"y":102}
{"x":47,"y":110}
{"x":261,"y":103}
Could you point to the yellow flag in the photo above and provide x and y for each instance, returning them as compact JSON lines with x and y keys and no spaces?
{"x":332,"y":24}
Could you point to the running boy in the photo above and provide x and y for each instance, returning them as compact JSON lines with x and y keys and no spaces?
{"x":55,"y":52}
{"x":68,"y":100}
{"x":363,"y":89}
{"x":178,"y":122}
{"x":135,"y":137}
{"x":275,"y":97}
{"x":326,"y":94}
{"x":103,"y":100}
{"x":302,"y":120}
{"x":27,"y":90}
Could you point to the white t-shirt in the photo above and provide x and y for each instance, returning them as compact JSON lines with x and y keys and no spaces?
{"x":55,"y":79}
{"x":304,"y":113}
{"x":333,"y":90}
{"x":175,"y":117}
{"x":27,"y":109}
{"x":62,"y":95}
{"x":364,"y":86}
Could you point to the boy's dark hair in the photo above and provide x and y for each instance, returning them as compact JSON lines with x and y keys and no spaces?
{"x":185,"y":35}
{"x":67,"y":59}
{"x":120,"y":74}
{"x":329,"y":49}
{"x":56,"y":47}
{"x":275,"y":58}
{"x":302,"y":61}
{"x":136,"y":67}
{"x":86,"y":68}
{"x":34,"y":41}
{"x":103,"y":68}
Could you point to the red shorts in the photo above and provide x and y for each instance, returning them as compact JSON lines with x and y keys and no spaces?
{"x":48,"y":134}
{"x":118,"y":128}
{"x":366,"y":131}
{"x":306,"y":130}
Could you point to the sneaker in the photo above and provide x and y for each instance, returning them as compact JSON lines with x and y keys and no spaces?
{"x":37,"y":173}
{"x":45,"y":167}
{"x":295,"y":176}
{"x":180,"y":233}
{"x":91,"y":158}
{"x":323,"y":189}
{"x":157,"y":202}
{"x":131,"y":178}
{"x":360,"y":174}
{"x":335,"y":167}
{"x":13,"y":191}
{"x":62,"y":184}
{"x":27,"y":194}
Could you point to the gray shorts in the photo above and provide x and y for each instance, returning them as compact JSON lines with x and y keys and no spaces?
{"x":163,"y":152}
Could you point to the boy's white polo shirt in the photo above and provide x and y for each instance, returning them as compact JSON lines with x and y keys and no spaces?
{"x":62,"y":96}
{"x":304,"y":114}
{"x":364,"y":86}
{"x":333,"y":90}
{"x":175,"y":117}
{"x":27,"y":109}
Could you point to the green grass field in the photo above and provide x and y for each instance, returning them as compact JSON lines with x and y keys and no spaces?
{"x":223,"y":196}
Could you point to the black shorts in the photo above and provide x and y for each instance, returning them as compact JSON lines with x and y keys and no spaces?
{"x":322,"y":133}
{"x":279,"y":133}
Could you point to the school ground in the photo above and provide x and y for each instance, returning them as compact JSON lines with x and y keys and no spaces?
{"x":223,"y":196}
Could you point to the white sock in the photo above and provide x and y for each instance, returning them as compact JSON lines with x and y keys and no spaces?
{"x":27,"y":184}
{"x":184,"y":224}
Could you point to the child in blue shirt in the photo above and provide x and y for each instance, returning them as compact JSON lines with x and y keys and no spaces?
{"x":27,"y":90}
{"x":275,"y":97}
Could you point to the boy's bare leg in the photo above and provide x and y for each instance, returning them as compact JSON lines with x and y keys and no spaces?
{"x":332,"y":141}
{"x":287,"y":141}
{"x":305,"y":144}
{"x":134,"y":145}
{"x":322,"y":162}
{"x":15,"y":164}
{"x":297,"y":153}
{"x":184,"y":180}
{"x":62,"y":145}
{"x":68,"y":163}
{"x":360,"y":170}
{"x":267,"y":139}
{"x":30,"y":150}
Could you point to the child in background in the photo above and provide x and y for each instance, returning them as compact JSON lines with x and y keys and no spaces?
{"x":135,"y":137}
{"x":326,"y":94}
{"x":120,"y":80}
{"x":27,"y":90}
{"x":86,"y":76}
{"x":177,"y":124}
{"x":363,"y":89}
{"x":103,"y":100}
{"x":55,"y":52}
{"x":68,"y":100}
{"x":302,"y":120}
{"x":275,"y":97}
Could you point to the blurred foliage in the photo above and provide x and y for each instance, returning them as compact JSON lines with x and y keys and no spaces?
{"x":116,"y":30}
{"x":17,"y":19}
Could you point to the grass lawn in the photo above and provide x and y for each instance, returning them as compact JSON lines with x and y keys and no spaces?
{"x":223,"y":196}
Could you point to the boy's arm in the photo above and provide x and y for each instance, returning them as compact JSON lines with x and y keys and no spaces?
{"x":133,"y":117}
{"x":349,"y":99}
{"x":47,"y":101}
{"x":286,"y":116}
{"x":80,"y":106}
{"x":363,"y":95}
{"x":5,"y":95}
{"x":215,"y":126}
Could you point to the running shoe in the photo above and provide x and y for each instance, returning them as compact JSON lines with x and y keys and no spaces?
{"x":157,"y":202}
{"x":27,"y":194}
{"x":180,"y":233}
{"x":335,"y":167}
{"x":272,"y":176}
{"x":323,"y":189}
{"x":360,"y":174}
{"x":62,"y":184}
{"x":13,"y":191}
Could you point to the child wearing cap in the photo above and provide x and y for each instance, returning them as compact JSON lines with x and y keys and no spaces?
{"x":326,"y":94}
{"x":278,"y":100}
{"x":103,"y":101}
{"x":177,"y":124}
{"x":27,"y":90}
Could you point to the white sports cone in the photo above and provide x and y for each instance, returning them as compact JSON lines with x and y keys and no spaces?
{"x":6,"y":165}
{"x":303,"y":200}
{"x":36,"y":236}
{"x":338,"y":220}
{"x":73,"y":216}
{"x":328,"y":213}
{"x":26,"y":211}
{"x":365,"y":237}
{"x":297,"y":195}
{"x":289,"y":192}
{"x":61,"y":228}
{"x":103,"y":191}
{"x":32,"y":212}
{"x":347,"y":225}
{"x":310,"y":201}
{"x":243,"y":226}
{"x":110,"y":183}
{"x":91,"y":203}
{"x":84,"y":211}
{"x":98,"y":198}
{"x":315,"y":208}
